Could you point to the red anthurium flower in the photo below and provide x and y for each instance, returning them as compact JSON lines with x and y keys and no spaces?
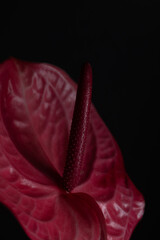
{"x":61,"y":184}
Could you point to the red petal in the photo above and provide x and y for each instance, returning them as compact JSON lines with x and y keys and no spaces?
{"x":37,"y":104}
{"x":62,"y":216}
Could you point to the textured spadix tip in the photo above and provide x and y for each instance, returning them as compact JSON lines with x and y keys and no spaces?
{"x":86,"y":69}
{"x":78,"y":132}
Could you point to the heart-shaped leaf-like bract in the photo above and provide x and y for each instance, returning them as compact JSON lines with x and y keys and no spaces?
{"x":36,"y":108}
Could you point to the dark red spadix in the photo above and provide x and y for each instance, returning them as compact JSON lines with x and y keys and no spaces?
{"x":79,"y":127}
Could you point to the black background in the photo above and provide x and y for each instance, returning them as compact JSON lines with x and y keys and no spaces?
{"x":121,"y":41}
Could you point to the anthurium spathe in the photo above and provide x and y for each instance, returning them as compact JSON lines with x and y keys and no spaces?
{"x":61,"y":184}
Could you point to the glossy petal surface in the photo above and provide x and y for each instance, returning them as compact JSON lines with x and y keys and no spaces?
{"x":37,"y":103}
